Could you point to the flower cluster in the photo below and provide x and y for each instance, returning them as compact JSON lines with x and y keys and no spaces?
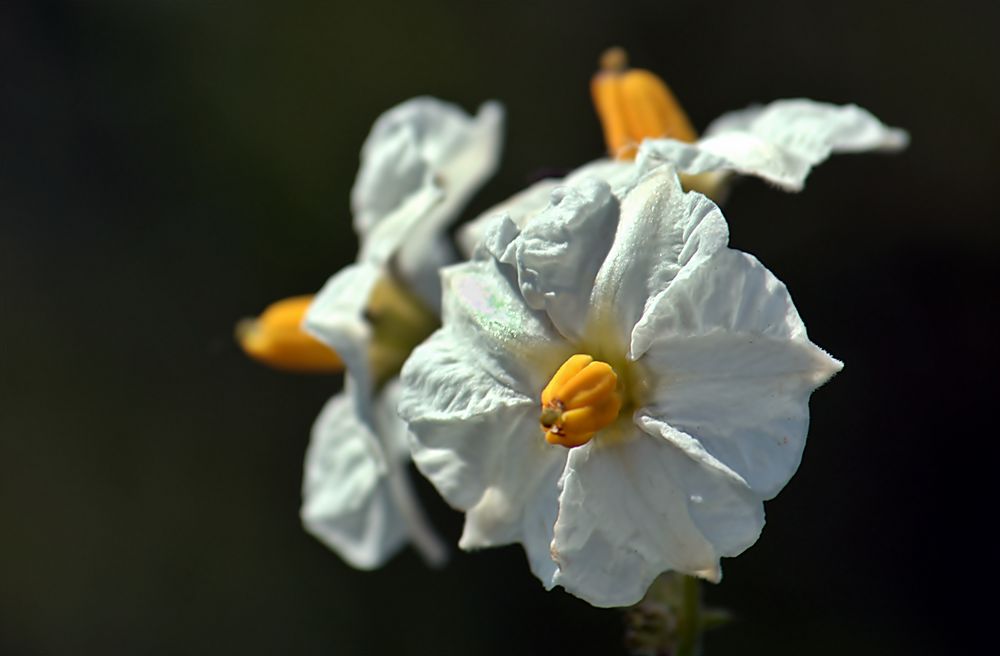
{"x":600,"y":378}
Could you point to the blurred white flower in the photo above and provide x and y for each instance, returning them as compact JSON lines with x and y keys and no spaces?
{"x":613,"y":388}
{"x":646,"y":127}
{"x":420,"y":164}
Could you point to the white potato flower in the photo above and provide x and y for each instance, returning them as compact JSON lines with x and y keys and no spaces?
{"x":421,"y":163}
{"x":780,"y":143}
{"x":613,"y":388}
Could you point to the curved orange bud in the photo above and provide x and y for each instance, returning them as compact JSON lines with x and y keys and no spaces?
{"x":633,"y":105}
{"x":277,"y":339}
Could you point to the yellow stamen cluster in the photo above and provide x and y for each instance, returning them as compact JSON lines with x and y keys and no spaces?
{"x":635,"y":104}
{"x":581,"y":399}
{"x":277,"y":339}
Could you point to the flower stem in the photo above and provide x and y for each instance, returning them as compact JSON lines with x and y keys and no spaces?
{"x":689,"y":625}
{"x":671,"y":619}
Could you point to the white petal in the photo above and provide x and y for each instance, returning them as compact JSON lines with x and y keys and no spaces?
{"x":480,"y":443}
{"x":519,"y":208}
{"x":811,"y":130}
{"x":731,"y":520}
{"x":780,"y":142}
{"x":557,"y":255}
{"x":337,"y":318}
{"x":518,"y":501}
{"x":417,"y":141}
{"x":461,"y":173}
{"x":663,"y":232}
{"x":422,"y":162}
{"x":621,"y":175}
{"x":735,"y":369}
{"x":629,"y":511}
{"x":346,"y":501}
{"x":538,"y":524}
{"x":525,"y":205}
{"x":387,"y":237}
{"x":458,"y":431}
{"x":477,"y":365}
{"x":483,"y":307}
{"x":421,"y":271}
{"x":395,"y":441}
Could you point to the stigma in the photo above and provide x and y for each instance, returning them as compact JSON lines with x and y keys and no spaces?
{"x":277,"y":339}
{"x":581,"y":399}
{"x":633,"y":105}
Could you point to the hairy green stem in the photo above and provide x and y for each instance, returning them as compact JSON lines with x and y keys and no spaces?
{"x":671,"y":619}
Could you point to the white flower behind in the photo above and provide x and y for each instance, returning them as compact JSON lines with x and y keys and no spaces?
{"x":713,"y":367}
{"x":421,"y":163}
{"x":780,"y":143}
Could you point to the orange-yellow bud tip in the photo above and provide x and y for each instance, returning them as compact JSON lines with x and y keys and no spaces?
{"x":581,"y":399}
{"x":277,"y":339}
{"x":633,"y":105}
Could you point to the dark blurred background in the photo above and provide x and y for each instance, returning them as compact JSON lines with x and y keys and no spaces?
{"x":167,"y":167}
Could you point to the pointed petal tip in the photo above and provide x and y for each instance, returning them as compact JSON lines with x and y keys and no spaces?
{"x":711,"y":574}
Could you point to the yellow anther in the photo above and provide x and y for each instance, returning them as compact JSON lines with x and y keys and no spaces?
{"x":581,"y":399}
{"x":277,"y":339}
{"x":633,"y":105}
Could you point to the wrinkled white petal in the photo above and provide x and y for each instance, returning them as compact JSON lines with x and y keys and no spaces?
{"x":556,"y":256}
{"x":663,"y":233}
{"x":385,"y":239}
{"x":421,"y":272}
{"x":519,"y":208}
{"x":480,"y":443}
{"x":395,"y":440}
{"x":517,"y":504}
{"x":629,"y":511}
{"x":356,"y":496}
{"x":428,"y":247}
{"x":811,"y":129}
{"x":525,"y":205}
{"x":619,"y":174}
{"x":346,"y":501}
{"x":735,"y":369}
{"x":484,"y":309}
{"x":420,"y":165}
{"x":337,"y":318}
{"x":780,"y":142}
{"x":419,"y":143}
{"x":478,"y":364}
{"x":457,"y":440}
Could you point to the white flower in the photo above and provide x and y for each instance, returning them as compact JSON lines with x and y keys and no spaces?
{"x":420,"y":164}
{"x":694,"y":411}
{"x":780,"y":142}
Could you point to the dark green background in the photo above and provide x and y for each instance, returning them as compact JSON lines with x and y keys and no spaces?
{"x":167,"y":167}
